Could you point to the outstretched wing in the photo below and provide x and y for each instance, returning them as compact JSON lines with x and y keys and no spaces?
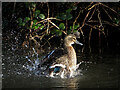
{"x":52,"y":56}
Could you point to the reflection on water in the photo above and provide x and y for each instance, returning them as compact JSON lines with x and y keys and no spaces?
{"x":94,"y":77}
{"x":100,"y":73}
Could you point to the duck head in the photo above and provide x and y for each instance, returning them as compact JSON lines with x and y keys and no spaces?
{"x":71,"y":39}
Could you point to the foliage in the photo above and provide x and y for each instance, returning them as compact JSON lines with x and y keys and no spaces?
{"x":39,"y":20}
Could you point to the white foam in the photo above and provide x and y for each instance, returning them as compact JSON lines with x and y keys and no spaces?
{"x":59,"y":65}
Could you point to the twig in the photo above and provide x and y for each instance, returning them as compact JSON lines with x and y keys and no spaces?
{"x":48,"y":17}
{"x":107,"y":13}
{"x":109,"y":8}
{"x":95,"y":27}
{"x":90,"y":34}
{"x":53,"y":24}
{"x":101,"y":24}
{"x":51,"y":37}
{"x":45,"y":20}
{"x":92,"y":14}
{"x":46,"y":42}
{"x":80,"y":28}
{"x":89,"y":5}
{"x":76,"y":20}
{"x":31,"y":18}
{"x":79,"y":14}
{"x":104,"y":22}
{"x":40,"y":37}
{"x":90,"y":39}
{"x":66,"y":25}
{"x":93,"y":6}
{"x":64,"y":32}
{"x":33,"y":38}
{"x":84,"y":21}
{"x":91,"y":26}
{"x":99,"y":16}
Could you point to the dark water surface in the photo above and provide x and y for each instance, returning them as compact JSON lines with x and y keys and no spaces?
{"x":99,"y":71}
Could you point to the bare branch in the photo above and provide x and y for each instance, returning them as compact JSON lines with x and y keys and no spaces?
{"x":109,"y":8}
{"x":53,"y":24}
{"x":84,"y":20}
{"x":107,"y":13}
{"x":93,"y":6}
{"x":104,"y":22}
{"x":92,"y":14}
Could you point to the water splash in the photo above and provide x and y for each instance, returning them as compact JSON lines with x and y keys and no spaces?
{"x":24,"y":63}
{"x":32,"y":66}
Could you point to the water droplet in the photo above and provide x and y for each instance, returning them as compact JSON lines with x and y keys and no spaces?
{"x":3,"y":64}
{"x":13,"y":63}
{"x":26,"y":46}
{"x":26,"y":57}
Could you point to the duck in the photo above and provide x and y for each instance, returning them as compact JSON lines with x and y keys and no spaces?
{"x":62,"y":61}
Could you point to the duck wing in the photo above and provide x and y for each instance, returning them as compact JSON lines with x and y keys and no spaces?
{"x":52,"y":57}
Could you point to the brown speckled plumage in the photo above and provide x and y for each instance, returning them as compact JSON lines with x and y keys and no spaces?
{"x":65,"y":56}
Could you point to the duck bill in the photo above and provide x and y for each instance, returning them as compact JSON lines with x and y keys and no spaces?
{"x":77,"y":42}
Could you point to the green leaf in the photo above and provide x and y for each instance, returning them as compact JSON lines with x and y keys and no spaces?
{"x":74,"y":7}
{"x":20,"y":22}
{"x":68,"y":31}
{"x":62,"y":16}
{"x":39,"y":25}
{"x":26,"y":19}
{"x":76,"y":26}
{"x":75,"y":31}
{"x":37,"y":12}
{"x":34,"y":21}
{"x":36,"y":27}
{"x":62,"y":26}
{"x":23,"y":24}
{"x":42,"y":27}
{"x":33,"y":4}
{"x":69,"y":16}
{"x":68,"y":10}
{"x":53,"y":31}
{"x":71,"y":27}
{"x":58,"y":17}
{"x":116,"y":20}
{"x":58,"y":32}
{"x":42,"y":16}
{"x":33,"y":26}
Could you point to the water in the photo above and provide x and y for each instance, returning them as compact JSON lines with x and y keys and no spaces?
{"x":98,"y":71}
{"x":18,"y":68}
{"x":91,"y":78}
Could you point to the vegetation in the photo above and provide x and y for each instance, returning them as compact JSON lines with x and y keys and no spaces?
{"x":39,"y":22}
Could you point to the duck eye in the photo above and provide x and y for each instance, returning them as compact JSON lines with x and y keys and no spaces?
{"x":74,"y":38}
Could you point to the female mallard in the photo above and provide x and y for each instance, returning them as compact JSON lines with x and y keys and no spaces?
{"x":62,"y":61}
